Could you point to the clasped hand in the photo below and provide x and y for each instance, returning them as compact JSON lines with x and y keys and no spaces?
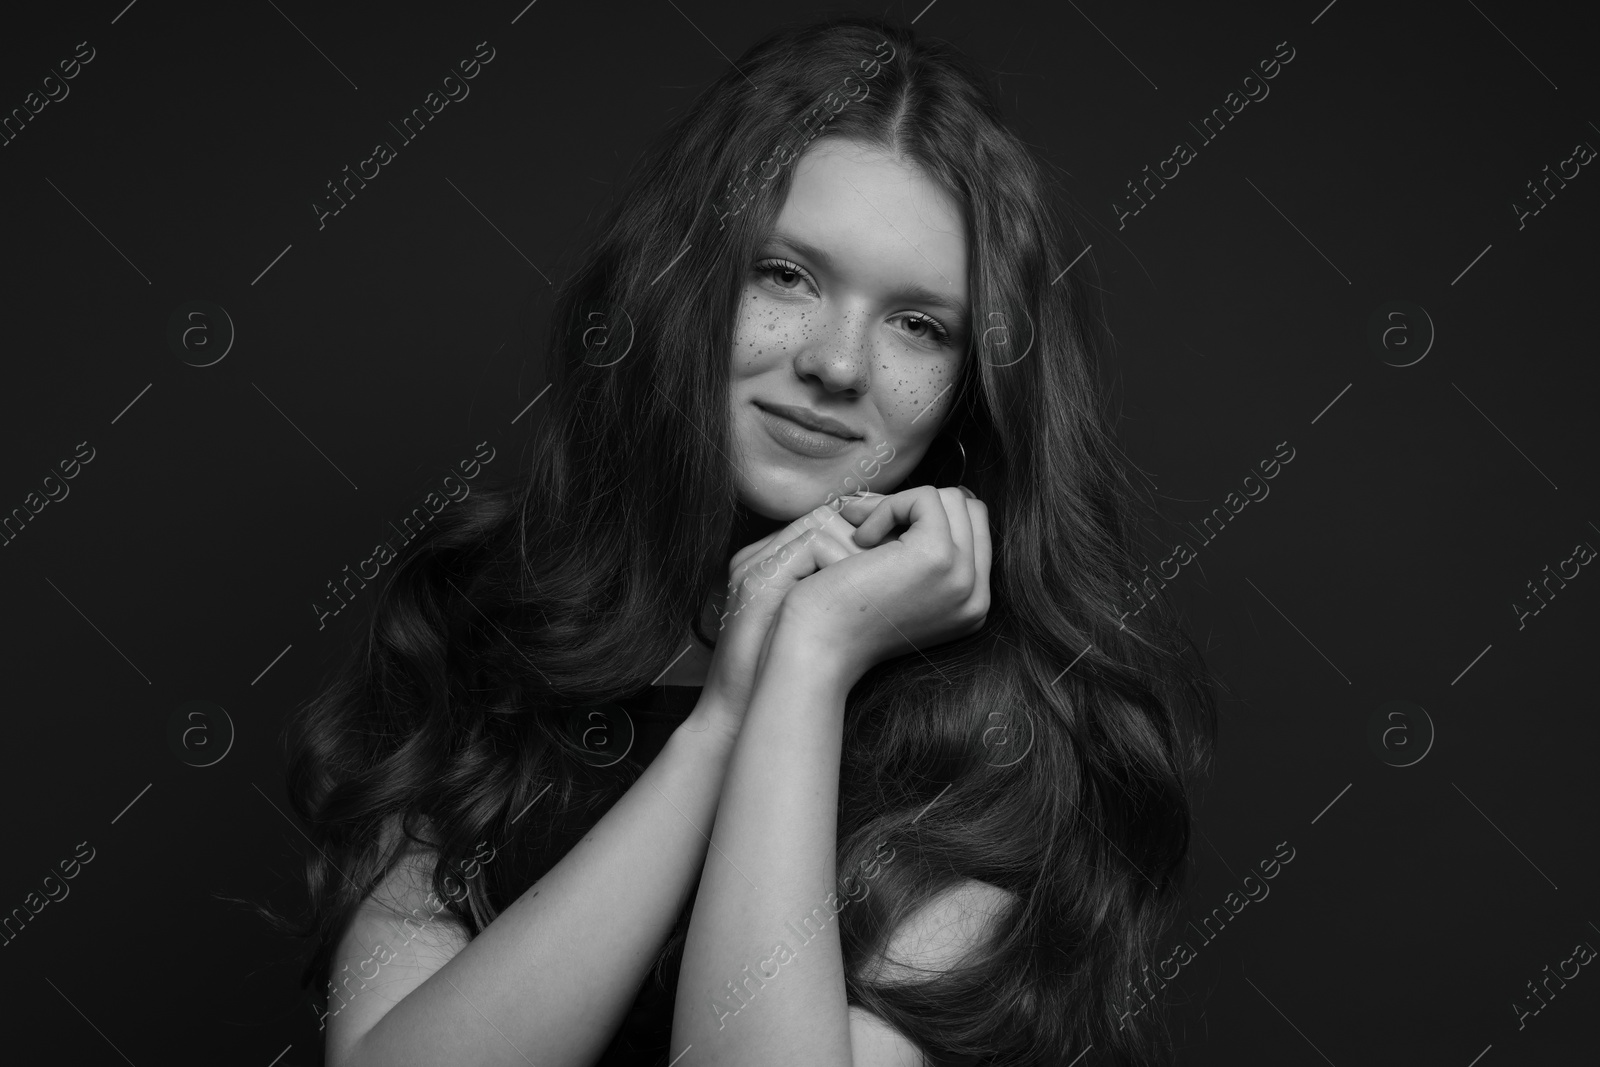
{"x":849,"y":593}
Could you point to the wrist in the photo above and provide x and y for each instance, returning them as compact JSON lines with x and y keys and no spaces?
{"x":716,"y":717}
{"x":806,"y":650}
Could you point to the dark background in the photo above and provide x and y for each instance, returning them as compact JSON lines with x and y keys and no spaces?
{"x":377,"y":352}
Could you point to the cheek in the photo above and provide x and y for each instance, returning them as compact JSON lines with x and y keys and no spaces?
{"x":767,"y":334}
{"x":914,"y":395}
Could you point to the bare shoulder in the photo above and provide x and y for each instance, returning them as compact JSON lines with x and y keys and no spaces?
{"x":940,"y":934}
{"x":935,"y":938}
{"x":399,"y":936}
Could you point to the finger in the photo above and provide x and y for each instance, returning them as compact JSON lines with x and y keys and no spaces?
{"x":837,"y":527}
{"x":802,"y":555}
{"x":955,"y":505}
{"x":823,"y":517}
{"x":856,"y":507}
{"x":768,"y":544}
{"x":754,"y":549}
{"x":814,"y":550}
{"x":982,"y":543}
{"x":840,"y":504}
{"x":826,"y":521}
{"x":820,"y":521}
{"x":921,"y":509}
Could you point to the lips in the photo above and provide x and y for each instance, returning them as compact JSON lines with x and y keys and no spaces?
{"x":811,"y":420}
{"x":804,"y":432}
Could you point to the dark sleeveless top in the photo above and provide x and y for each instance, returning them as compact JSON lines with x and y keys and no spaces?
{"x":646,"y":1030}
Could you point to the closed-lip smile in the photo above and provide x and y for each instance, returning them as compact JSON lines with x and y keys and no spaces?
{"x":811,"y":420}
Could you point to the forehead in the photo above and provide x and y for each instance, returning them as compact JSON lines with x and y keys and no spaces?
{"x":878,"y":220}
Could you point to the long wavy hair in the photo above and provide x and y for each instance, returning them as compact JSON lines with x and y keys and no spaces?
{"x":1062,"y":742}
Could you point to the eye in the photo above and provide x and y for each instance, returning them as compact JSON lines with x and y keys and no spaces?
{"x":927,"y":328}
{"x":771,"y":267}
{"x":934,"y":329}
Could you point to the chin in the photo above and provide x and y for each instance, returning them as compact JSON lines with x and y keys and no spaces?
{"x":782,"y":498}
{"x":784,"y":494}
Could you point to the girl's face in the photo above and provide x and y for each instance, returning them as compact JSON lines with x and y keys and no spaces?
{"x":852,"y":328}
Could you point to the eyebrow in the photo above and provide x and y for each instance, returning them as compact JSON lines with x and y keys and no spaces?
{"x":916,"y":293}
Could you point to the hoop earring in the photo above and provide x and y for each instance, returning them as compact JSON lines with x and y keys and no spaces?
{"x":963,"y":450}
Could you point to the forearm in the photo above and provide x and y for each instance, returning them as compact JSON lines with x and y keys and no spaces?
{"x":552,"y":976}
{"x":770,"y":882}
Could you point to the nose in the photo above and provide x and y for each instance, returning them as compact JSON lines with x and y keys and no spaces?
{"x":840,"y":357}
